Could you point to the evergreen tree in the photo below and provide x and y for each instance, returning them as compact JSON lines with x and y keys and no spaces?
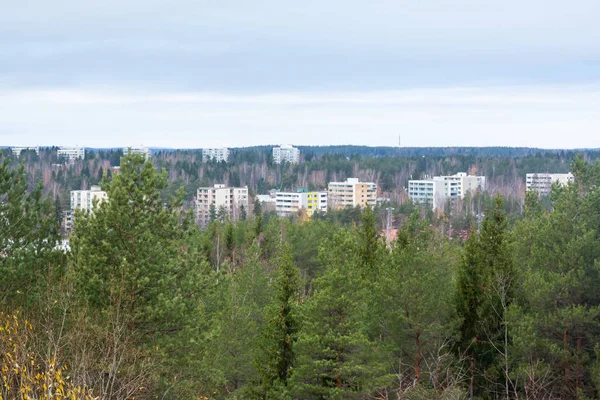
{"x":485,"y":290}
{"x":336,"y":360}
{"x":236,"y":319}
{"x":29,"y":258}
{"x":276,"y":361}
{"x":135,"y":268}
{"x":212,"y":213}
{"x":370,"y":241}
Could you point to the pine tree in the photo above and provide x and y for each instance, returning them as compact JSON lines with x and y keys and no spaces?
{"x":29,"y":237}
{"x":135,"y":268}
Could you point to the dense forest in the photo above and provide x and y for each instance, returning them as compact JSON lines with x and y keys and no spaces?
{"x":142,"y":304}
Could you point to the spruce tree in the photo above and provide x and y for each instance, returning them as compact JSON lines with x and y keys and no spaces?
{"x":485,"y":289}
{"x":276,"y":361}
{"x":336,"y":358}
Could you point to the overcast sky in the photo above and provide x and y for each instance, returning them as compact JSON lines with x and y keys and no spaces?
{"x":193,"y":73}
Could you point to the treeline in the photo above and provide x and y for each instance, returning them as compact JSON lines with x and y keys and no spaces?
{"x":144,"y":305}
{"x":390,"y":168}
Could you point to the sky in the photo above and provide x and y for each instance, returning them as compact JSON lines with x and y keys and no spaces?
{"x":195,"y":73}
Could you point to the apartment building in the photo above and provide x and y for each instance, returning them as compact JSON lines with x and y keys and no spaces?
{"x":215,"y":154}
{"x":542,"y":182}
{"x":84,"y":199}
{"x":290,"y":203}
{"x":71,"y":153}
{"x":286,"y":153}
{"x":351,"y":193}
{"x":17,"y":150}
{"x":231,"y":199}
{"x":439,"y":189}
{"x":267,"y":202}
{"x":137,"y":150}
{"x":316,"y":201}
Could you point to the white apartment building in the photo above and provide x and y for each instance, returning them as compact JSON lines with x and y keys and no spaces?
{"x":137,"y":150}
{"x":542,"y":182}
{"x":351,"y":193}
{"x":439,"y":189}
{"x":216,"y":154}
{"x":17,"y":150}
{"x":232,"y":199}
{"x":286,"y":153}
{"x":84,"y":199}
{"x":290,"y":203}
{"x":316,"y":201}
{"x":267,"y":202}
{"x":71,"y":153}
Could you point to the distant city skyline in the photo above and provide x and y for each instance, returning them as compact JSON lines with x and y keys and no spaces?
{"x":193,"y":74}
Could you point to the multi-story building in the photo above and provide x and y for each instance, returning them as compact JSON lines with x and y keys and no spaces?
{"x":84,"y":199}
{"x":71,"y":153}
{"x":290,"y":203}
{"x":137,"y":150}
{"x":216,"y":154}
{"x":542,"y":182}
{"x":286,"y":153}
{"x":316,"y":201}
{"x":230,"y":199}
{"x":67,"y":221}
{"x":351,"y":193}
{"x":17,"y":150}
{"x":439,"y":189}
{"x":267,"y":202}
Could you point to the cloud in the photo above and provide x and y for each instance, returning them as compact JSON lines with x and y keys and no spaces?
{"x":555,"y":116}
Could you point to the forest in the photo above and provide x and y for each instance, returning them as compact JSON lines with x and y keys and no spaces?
{"x":142,"y":304}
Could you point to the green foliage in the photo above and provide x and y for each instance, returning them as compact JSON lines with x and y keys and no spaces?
{"x":485,"y":289}
{"x":336,"y":359}
{"x":133,"y":261}
{"x":276,"y":360}
{"x":29,"y":238}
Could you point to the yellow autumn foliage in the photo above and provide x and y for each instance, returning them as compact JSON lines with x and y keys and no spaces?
{"x":26,"y":375}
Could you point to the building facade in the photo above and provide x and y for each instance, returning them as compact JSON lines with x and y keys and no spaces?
{"x":290,"y":203}
{"x":438,"y":190}
{"x":316,"y":201}
{"x":215,"y":154}
{"x":17,"y":150}
{"x":542,"y":183}
{"x":229,"y":199}
{"x":267,"y":202}
{"x":71,"y":153}
{"x":84,"y":199}
{"x":286,"y":153}
{"x":352,"y":193}
{"x":137,"y":150}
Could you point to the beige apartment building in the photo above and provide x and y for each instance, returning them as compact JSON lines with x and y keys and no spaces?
{"x":231,"y":199}
{"x":84,"y":199}
{"x":351,"y":193}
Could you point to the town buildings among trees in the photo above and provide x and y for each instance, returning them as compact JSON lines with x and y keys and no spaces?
{"x":286,"y":153}
{"x":351,"y":193}
{"x":17,"y":150}
{"x":71,"y":153}
{"x":438,"y":190}
{"x":220,"y":202}
{"x":542,"y":182}
{"x":218,"y":154}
